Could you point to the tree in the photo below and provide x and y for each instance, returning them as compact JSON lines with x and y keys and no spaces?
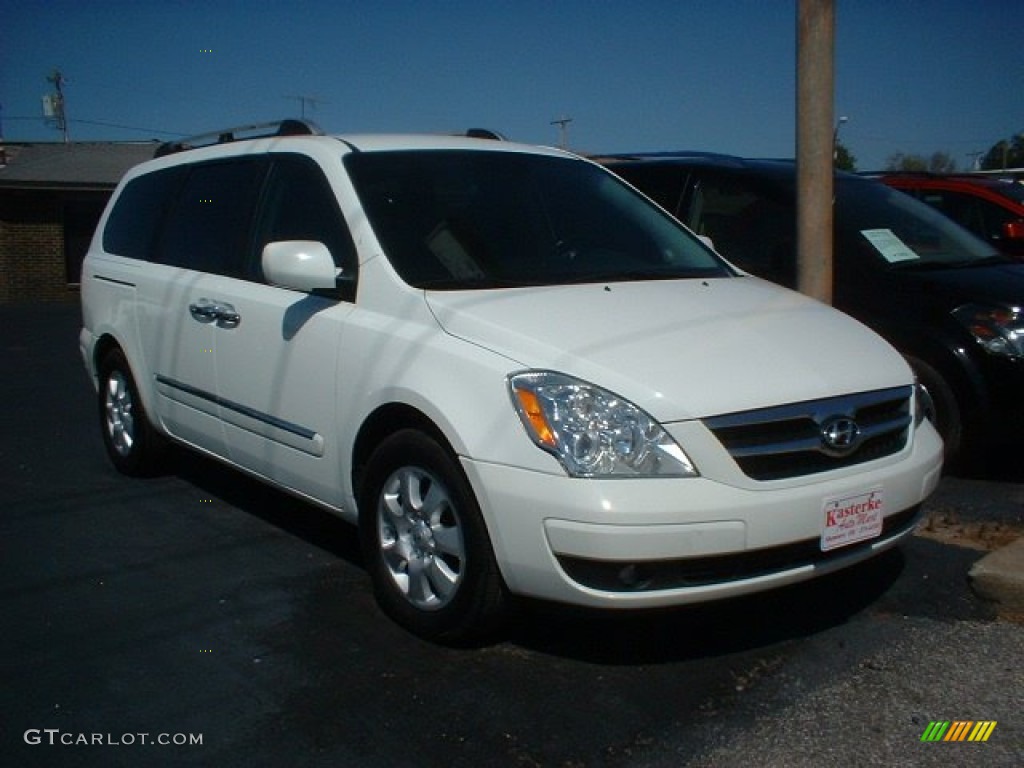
{"x":1008,"y":153}
{"x":939,"y":162}
{"x":844,"y":161}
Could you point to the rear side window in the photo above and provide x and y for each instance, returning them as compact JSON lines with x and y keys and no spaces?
{"x":208,"y":229}
{"x":132,"y":226}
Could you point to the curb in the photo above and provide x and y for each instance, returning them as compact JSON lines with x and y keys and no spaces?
{"x":999,"y":577}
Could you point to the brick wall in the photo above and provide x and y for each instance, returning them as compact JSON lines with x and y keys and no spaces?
{"x":32,"y":257}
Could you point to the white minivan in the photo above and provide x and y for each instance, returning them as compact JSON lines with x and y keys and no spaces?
{"x":510,"y":369}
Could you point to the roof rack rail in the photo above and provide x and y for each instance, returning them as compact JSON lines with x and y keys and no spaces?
{"x":669,"y":156}
{"x":484,"y":133}
{"x":286,"y":127}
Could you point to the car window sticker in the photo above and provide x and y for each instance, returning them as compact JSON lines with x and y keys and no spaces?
{"x":891,"y":248}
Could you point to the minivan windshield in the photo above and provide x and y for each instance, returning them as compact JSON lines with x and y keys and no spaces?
{"x":457,"y":219}
{"x":902,"y":232}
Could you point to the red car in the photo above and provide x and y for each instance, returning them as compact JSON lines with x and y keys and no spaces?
{"x":990,"y":207}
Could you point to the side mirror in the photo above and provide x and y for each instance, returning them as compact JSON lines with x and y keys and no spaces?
{"x":302,"y":265}
{"x":1014,"y":230}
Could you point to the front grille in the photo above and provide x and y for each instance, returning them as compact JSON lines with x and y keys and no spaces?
{"x":789,"y":440}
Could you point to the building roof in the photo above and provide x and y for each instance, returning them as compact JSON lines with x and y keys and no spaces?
{"x":77,"y":165}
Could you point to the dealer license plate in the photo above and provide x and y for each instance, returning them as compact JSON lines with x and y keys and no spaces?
{"x":849,"y":519}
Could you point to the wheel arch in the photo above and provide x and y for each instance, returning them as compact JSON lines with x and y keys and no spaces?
{"x":383,"y":422}
{"x":104,"y":345}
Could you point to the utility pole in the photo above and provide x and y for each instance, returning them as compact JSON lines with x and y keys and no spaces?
{"x":815,"y":147}
{"x":57,"y":102}
{"x":562,"y":124}
{"x":835,"y":137}
{"x":313,"y":101}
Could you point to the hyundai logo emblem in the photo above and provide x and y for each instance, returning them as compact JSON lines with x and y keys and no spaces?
{"x":839,"y":435}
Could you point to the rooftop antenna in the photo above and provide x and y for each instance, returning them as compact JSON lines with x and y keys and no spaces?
{"x":53,"y":103}
{"x":304,"y":100}
{"x":562,"y":124}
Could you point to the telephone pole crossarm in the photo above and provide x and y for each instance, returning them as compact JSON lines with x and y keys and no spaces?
{"x":562,"y":123}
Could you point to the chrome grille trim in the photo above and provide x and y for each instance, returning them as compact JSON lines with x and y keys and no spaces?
{"x":787,"y":441}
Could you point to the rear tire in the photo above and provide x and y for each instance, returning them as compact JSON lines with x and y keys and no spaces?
{"x":425,"y":543}
{"x":133,"y":445}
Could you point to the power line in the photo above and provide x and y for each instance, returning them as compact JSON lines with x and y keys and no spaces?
{"x":129,"y":127}
{"x":104,"y":124}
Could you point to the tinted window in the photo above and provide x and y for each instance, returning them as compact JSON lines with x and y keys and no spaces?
{"x":751,"y":222}
{"x":132,"y":225}
{"x":975,"y":213}
{"x":665,"y":184}
{"x":458,"y":219}
{"x":208,"y":229}
{"x":889,"y":228}
{"x":299,"y":204}
{"x":1014,"y":191}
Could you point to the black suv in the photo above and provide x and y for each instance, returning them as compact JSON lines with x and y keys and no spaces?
{"x":947,"y":300}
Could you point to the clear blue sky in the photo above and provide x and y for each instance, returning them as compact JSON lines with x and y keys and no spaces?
{"x":913,"y":76}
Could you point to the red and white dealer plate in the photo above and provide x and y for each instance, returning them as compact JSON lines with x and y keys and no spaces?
{"x":849,"y":519}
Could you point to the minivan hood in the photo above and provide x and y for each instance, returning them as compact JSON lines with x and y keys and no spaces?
{"x":679,"y":349}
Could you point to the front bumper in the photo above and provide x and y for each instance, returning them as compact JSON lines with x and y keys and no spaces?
{"x":657,"y":542}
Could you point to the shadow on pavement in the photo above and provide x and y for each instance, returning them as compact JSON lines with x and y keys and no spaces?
{"x":302,"y":519}
{"x":633,"y":637}
{"x":710,"y":629}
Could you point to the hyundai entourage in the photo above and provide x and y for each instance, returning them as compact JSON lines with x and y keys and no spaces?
{"x":513,"y":373}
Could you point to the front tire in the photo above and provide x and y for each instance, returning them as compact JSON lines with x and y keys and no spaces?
{"x":133,"y":445}
{"x":425,"y":543}
{"x":948,"y":415}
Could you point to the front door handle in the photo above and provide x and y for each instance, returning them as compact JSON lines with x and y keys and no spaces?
{"x":227,"y":316}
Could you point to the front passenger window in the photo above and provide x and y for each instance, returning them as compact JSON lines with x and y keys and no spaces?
{"x":300,"y":205}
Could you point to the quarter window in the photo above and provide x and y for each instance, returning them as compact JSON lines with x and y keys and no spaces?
{"x":132,"y":225}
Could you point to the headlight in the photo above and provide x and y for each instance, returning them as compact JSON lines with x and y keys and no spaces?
{"x":924,"y":406}
{"x":999,"y":329}
{"x":593,"y":432}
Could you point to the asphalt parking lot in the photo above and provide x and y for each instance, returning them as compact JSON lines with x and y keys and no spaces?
{"x":197,"y":618}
